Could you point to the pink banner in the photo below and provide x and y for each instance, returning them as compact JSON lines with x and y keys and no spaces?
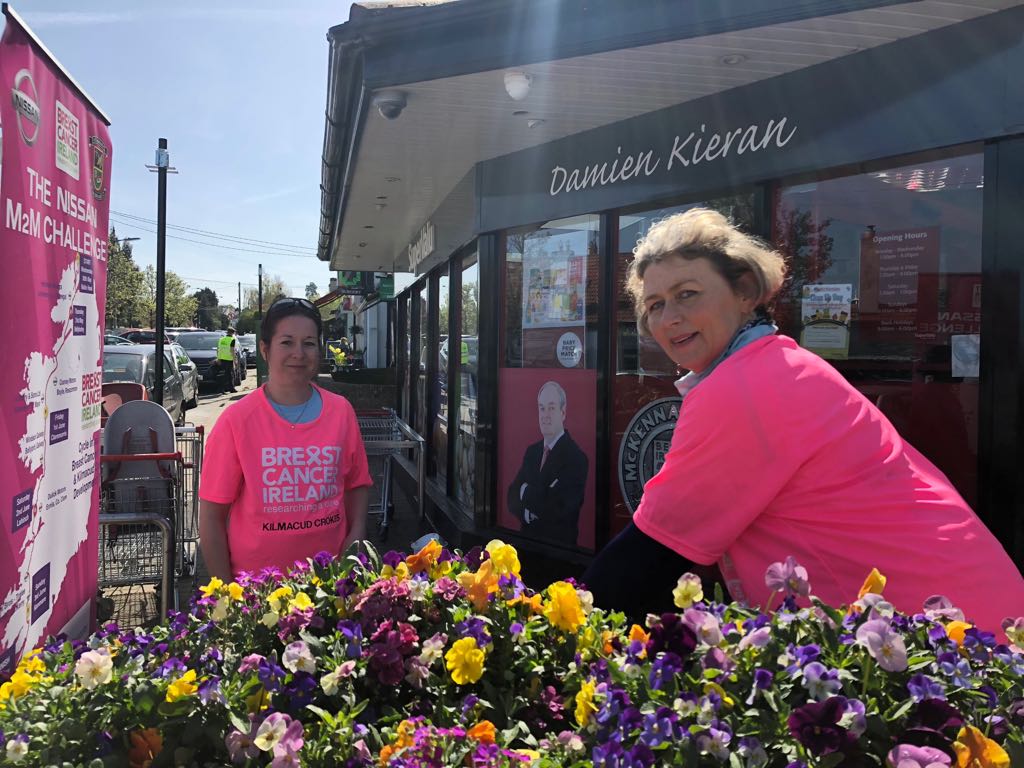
{"x":54,"y":197}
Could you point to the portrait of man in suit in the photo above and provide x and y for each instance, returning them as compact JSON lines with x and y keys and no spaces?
{"x":547,"y":492}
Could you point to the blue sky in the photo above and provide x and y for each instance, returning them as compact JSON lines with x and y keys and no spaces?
{"x":238,"y":90}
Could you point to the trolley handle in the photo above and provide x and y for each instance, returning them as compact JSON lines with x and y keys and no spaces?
{"x":111,"y":458}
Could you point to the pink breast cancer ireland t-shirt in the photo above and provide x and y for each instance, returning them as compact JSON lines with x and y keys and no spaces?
{"x":775,"y":454}
{"x":285,"y":483}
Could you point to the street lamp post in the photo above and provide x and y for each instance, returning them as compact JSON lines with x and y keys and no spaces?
{"x":162,"y":167}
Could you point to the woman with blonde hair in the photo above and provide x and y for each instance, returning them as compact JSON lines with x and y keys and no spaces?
{"x":776,"y":454}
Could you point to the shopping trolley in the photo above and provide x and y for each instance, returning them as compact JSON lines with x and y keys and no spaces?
{"x":385,"y":436}
{"x":141,"y":498}
{"x":189,"y":441}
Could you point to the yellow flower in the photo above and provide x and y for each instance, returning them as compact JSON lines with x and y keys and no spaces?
{"x":279,"y":594}
{"x":873,"y":584}
{"x":484,"y":732}
{"x":465,"y":661}
{"x":19,"y":684}
{"x":688,"y":591}
{"x":211,"y":587}
{"x":956,"y":630}
{"x":504,"y":557}
{"x":32,"y":664}
{"x":585,"y":707}
{"x":182,"y":687}
{"x":563,"y":607}
{"x":975,"y":750}
{"x":235,"y":591}
{"x":300,"y":602}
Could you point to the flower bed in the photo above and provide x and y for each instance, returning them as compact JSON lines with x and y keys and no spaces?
{"x":439,"y":660}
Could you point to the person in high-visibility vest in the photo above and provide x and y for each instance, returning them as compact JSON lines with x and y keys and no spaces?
{"x":226,"y":361}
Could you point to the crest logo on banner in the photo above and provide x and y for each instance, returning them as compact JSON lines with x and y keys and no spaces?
{"x":99,"y":158}
{"x":67,"y":141}
{"x":644,"y":446}
{"x":26,"y":106}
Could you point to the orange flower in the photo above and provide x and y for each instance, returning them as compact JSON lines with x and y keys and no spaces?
{"x":146,"y":745}
{"x":425,"y":558}
{"x":480,"y":585}
{"x":873,"y":584}
{"x":483,"y":732}
{"x":534,"y":603}
{"x":975,"y":750}
{"x":956,"y":630}
{"x":636,"y":632}
{"x":606,"y":639}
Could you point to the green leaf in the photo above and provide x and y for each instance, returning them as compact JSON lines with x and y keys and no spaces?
{"x":324,"y":715}
{"x":830,"y":761}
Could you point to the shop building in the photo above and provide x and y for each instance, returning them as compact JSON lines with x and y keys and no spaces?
{"x":510,"y":154}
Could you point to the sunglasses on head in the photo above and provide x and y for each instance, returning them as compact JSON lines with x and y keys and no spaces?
{"x":288,"y":301}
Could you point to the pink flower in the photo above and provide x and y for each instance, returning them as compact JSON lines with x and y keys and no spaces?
{"x":250,"y":662}
{"x":910,"y":756}
{"x":241,"y":746}
{"x":789,"y":577}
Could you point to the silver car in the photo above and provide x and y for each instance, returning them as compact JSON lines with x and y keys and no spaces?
{"x":189,"y":375}
{"x":136,"y":363}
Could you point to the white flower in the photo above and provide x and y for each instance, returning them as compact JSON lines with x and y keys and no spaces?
{"x":586,"y":601}
{"x":94,"y":668}
{"x":418,"y":589}
{"x":17,"y":748}
{"x":329,"y":682}
{"x":220,"y":609}
{"x":297,"y":658}
{"x":688,"y":591}
{"x":433,"y":649}
{"x":270,"y":619}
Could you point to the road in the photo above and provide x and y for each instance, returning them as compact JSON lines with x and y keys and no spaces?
{"x":212,"y":402}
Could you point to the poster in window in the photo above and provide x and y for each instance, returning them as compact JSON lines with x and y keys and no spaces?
{"x":546,"y":460}
{"x":825,"y":319}
{"x":554,"y":287}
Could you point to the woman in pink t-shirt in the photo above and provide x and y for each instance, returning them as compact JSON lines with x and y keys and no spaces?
{"x":776,"y":454}
{"x":285,"y":473}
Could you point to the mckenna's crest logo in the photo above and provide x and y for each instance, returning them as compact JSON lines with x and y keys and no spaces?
{"x":99,"y":154}
{"x":644,"y":445}
{"x":25,"y":98}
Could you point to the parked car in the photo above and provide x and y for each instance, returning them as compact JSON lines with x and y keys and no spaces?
{"x":137,"y":363}
{"x":189,"y":375}
{"x":247,"y":341}
{"x":115,"y":340}
{"x":143,"y":336}
{"x":201,"y":348}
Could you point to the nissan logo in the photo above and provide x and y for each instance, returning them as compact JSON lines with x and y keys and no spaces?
{"x":24,"y":96}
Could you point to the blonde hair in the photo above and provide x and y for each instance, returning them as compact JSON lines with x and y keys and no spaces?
{"x":703,"y":233}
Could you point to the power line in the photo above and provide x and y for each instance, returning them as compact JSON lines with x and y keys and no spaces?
{"x":130,"y":225}
{"x":217,"y":235}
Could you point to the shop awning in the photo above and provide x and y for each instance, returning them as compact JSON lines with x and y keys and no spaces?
{"x":589,"y":63}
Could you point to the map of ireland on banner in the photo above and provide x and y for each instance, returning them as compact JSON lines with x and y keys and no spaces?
{"x":54,"y":200}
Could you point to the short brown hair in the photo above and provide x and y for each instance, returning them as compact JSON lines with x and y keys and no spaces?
{"x":703,"y":233}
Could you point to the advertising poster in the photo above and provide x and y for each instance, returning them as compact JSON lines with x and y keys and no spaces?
{"x":546,"y":453}
{"x":825,"y":319}
{"x":554,"y":288}
{"x":54,"y":194}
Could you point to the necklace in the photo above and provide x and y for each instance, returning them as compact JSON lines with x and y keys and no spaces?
{"x":280,"y":408}
{"x":303,"y":411}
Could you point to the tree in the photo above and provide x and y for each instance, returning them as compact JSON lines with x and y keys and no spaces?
{"x":126,"y":291}
{"x":207,"y":309}
{"x":247,"y":321}
{"x":179,"y":307}
{"x":273,"y":289}
{"x":311,"y":292}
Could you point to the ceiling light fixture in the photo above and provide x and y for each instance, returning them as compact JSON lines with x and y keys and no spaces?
{"x":520,"y":113}
{"x":732,"y":59}
{"x":391,"y":179}
{"x":517,"y":84}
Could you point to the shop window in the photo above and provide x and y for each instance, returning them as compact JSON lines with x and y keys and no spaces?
{"x":466,"y":405}
{"x":645,"y":403}
{"x":423,"y":312}
{"x":404,"y":352}
{"x":439,"y":395}
{"x":885,"y":282}
{"x":547,"y":386}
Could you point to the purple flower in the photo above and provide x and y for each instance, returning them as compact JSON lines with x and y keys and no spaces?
{"x":250,"y":662}
{"x":789,"y":577}
{"x":941,"y":607}
{"x":816,"y":726}
{"x":476,"y":628}
{"x":715,"y":742}
{"x":323,"y":559}
{"x":820,"y":681}
{"x":762,"y":682}
{"x":353,"y":634}
{"x":671,"y":634}
{"x":659,"y":727}
{"x":270,"y":674}
{"x":854,"y":719}
{"x":884,"y":645}
{"x":241,"y":746}
{"x":805,"y":654}
{"x":935,"y":715}
{"x":209,"y":690}
{"x":910,"y":756}
{"x":922,"y":687}
{"x":516,"y":628}
{"x":664,"y":670}
{"x":392,"y":558}
{"x":957,"y":669}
